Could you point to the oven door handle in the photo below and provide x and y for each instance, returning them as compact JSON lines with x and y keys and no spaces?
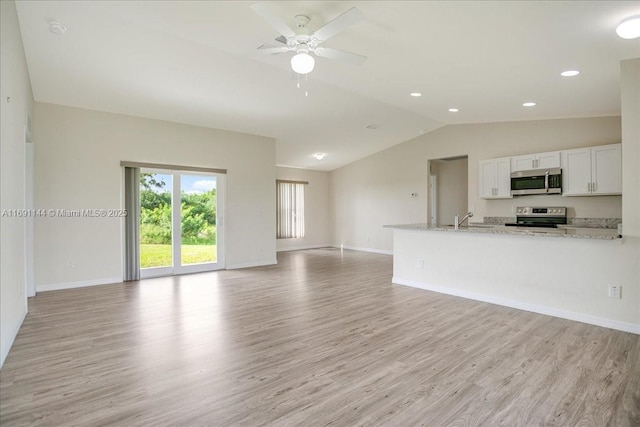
{"x":546,"y":182}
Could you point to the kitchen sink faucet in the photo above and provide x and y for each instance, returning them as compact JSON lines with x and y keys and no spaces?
{"x":457,"y":222}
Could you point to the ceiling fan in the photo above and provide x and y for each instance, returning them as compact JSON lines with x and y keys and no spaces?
{"x":304,"y":44}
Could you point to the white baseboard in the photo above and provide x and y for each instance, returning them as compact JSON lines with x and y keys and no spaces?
{"x":80,"y":284}
{"x":251,"y":264}
{"x":549,"y":311}
{"x":6,"y":347}
{"x":375,"y":251}
{"x":303,"y":248}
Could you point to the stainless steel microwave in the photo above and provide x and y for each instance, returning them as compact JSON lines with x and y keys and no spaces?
{"x":537,"y":181}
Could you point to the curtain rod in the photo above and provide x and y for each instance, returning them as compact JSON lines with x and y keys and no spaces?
{"x":288,"y":181}
{"x":127,"y":164}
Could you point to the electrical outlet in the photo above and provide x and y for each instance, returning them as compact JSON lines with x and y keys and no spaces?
{"x":615,"y":291}
{"x":420,"y":263}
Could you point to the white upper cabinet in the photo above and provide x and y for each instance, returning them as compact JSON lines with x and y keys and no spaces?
{"x":548,"y":160}
{"x":523,"y":163}
{"x":606,"y":169}
{"x":535,"y":161}
{"x":592,"y":171}
{"x":495,"y":178}
{"x":487,"y":179}
{"x":503,"y":178}
{"x":576,"y":172}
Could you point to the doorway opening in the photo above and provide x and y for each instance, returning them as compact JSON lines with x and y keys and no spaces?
{"x":448,"y":188}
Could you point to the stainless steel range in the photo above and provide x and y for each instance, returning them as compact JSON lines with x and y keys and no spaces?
{"x":529,"y":216}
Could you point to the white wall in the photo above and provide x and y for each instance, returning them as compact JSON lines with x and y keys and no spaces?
{"x":14,"y":84}
{"x":77,"y":166}
{"x":630,"y":90}
{"x":316,"y":209}
{"x":376,"y":190}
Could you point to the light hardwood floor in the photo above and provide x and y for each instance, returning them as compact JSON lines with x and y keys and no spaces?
{"x":323,"y":338}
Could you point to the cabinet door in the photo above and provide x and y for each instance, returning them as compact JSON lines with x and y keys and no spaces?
{"x":523,"y":163}
{"x":576,"y":172}
{"x":606,"y":169}
{"x":503,"y":178}
{"x":548,"y":160}
{"x":487,"y":179}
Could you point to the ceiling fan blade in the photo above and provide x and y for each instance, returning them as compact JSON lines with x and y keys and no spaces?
{"x":339,"y":24}
{"x":281,"y":39}
{"x":278,"y":24}
{"x":264,"y":50}
{"x":341,"y":55}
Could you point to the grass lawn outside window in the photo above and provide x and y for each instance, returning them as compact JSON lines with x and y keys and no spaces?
{"x":160,"y":255}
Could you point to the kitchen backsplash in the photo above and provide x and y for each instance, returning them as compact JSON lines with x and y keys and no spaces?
{"x":595,"y":222}
{"x":577,"y":222}
{"x":499,"y":220}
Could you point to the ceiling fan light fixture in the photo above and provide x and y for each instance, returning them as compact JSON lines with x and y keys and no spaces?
{"x":302,"y":63}
{"x":629,"y":28}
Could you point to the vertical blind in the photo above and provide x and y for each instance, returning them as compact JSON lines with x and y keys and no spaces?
{"x":289,"y":209}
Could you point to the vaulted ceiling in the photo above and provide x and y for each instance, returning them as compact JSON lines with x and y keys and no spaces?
{"x":194,"y":62}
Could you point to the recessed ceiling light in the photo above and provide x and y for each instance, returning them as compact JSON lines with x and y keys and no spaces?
{"x":57,"y":28}
{"x":529,"y":104}
{"x":415,"y":94}
{"x":629,"y":28}
{"x":570,"y":73}
{"x":319,"y":156}
{"x":453,"y":110}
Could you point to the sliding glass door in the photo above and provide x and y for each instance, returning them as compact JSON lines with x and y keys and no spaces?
{"x":181,"y":228}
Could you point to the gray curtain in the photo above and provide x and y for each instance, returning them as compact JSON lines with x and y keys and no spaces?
{"x":132,"y":221}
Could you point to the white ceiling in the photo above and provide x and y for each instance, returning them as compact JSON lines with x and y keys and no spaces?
{"x":193,"y":62}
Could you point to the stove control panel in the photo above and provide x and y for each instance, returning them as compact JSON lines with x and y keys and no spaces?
{"x":541,"y":211}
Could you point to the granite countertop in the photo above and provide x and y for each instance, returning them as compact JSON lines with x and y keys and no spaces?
{"x":562,"y":231}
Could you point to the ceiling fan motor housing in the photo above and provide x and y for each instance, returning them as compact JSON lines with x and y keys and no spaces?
{"x":302,"y":41}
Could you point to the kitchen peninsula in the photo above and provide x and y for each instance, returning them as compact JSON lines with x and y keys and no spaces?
{"x":565,"y":272}
{"x":572,"y":232}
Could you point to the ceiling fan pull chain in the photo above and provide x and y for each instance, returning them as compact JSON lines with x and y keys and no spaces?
{"x":306,"y":80}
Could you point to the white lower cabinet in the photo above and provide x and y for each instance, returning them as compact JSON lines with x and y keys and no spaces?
{"x":592,"y":171}
{"x":495,"y":178}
